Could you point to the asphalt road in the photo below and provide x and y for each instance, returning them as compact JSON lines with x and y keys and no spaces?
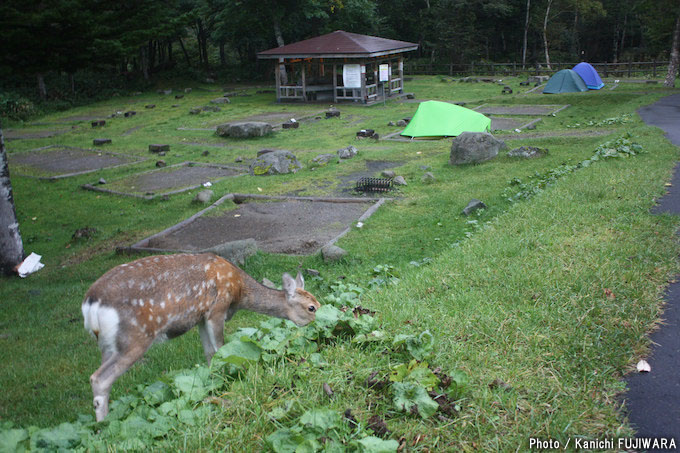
{"x":653,"y":399}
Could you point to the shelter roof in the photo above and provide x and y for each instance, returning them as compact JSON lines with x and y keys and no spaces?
{"x":340,"y":44}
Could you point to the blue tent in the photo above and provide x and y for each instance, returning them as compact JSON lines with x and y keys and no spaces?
{"x":589,"y":75}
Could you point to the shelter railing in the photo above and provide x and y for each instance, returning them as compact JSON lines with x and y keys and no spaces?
{"x":395,"y":85}
{"x":372,"y":91}
{"x":290,"y":92}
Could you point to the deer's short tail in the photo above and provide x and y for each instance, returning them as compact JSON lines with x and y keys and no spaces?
{"x":102,"y":322}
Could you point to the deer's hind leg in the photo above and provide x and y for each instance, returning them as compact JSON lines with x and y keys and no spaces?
{"x":114,"y":364}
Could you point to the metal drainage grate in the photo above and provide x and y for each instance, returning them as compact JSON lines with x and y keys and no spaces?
{"x":374,"y":184}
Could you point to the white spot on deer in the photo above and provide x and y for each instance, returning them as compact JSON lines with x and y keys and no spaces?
{"x":206,"y":268}
{"x":230,"y":274}
{"x":219,"y":276}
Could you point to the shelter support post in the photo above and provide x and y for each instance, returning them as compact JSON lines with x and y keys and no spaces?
{"x":304,"y":84}
{"x":364,"y":96}
{"x":277,"y":72}
{"x":335,"y":83}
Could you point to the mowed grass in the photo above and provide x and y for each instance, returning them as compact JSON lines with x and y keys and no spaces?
{"x":552,"y":296}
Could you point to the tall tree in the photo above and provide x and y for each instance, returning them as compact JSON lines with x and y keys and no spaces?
{"x":11,"y":246}
{"x":675,"y":56}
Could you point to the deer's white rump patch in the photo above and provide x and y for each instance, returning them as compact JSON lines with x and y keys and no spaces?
{"x":102,"y":322}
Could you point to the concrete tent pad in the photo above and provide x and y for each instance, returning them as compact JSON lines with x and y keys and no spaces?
{"x":292,"y":225}
{"x":55,"y":161}
{"x":520,"y":109}
{"x":28,"y":134}
{"x":169,"y":180}
{"x":510,"y":124}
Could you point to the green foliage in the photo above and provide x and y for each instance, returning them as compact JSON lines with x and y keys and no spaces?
{"x":618,"y":148}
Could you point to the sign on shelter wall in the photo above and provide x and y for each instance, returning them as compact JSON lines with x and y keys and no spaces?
{"x":351,"y":75}
{"x":384,"y":72}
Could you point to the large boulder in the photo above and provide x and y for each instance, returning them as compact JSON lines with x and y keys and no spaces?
{"x":474,"y":147}
{"x":275,"y":162}
{"x":244,"y":130}
{"x":347,"y":153}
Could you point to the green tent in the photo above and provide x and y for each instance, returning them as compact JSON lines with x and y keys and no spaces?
{"x":565,"y":81}
{"x":435,"y":119}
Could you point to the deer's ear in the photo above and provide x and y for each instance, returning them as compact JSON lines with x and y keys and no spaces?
{"x":289,"y":285}
{"x":300,"y":281}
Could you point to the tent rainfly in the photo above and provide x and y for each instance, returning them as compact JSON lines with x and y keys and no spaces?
{"x":589,"y":75}
{"x":565,"y":81}
{"x":435,"y":119}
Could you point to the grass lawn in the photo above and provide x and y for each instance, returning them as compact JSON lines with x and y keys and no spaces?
{"x":527,"y":313}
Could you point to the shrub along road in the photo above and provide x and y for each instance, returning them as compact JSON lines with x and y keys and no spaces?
{"x":653,"y":399}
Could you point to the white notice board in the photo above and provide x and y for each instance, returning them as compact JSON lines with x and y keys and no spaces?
{"x":351,"y":75}
{"x":384,"y":72}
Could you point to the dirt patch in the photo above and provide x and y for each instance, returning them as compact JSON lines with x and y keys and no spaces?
{"x":62,"y":161}
{"x":556,"y":134}
{"x":170,"y":180}
{"x":293,"y":227}
{"x":27,"y":134}
{"x":489,"y":109}
{"x":510,"y":124}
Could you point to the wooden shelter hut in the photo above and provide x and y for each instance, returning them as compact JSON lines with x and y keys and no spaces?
{"x":339,"y":66}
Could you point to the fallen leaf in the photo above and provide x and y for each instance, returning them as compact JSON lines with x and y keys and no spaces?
{"x":610,"y":295}
{"x":643,"y":366}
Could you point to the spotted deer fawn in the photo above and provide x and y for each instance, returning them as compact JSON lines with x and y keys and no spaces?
{"x":161,"y":297}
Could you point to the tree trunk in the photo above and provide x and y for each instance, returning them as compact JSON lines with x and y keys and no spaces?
{"x":279,"y":41}
{"x":42,"y":89}
{"x":184,"y":50}
{"x":675,"y":56}
{"x":545,"y":35}
{"x":526,"y":30}
{"x":144,"y":61}
{"x":11,"y":246}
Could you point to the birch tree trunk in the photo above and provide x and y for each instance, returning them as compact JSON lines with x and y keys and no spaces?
{"x":526,"y":30}
{"x":545,"y":35}
{"x":675,"y":57}
{"x":11,"y":246}
{"x":281,"y":43}
{"x":42,"y":89}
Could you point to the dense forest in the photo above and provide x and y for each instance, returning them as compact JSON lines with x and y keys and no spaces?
{"x":59,"y":49}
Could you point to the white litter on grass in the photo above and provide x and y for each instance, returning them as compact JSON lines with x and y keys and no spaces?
{"x":29,"y":265}
{"x":360,"y":224}
{"x":292,"y":120}
{"x":517,"y":130}
{"x":207,"y":184}
{"x":643,"y":366}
